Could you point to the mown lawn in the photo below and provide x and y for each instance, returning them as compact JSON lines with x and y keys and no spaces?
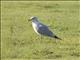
{"x":19,"y":41}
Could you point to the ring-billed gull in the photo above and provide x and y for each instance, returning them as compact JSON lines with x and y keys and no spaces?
{"x":41,"y":29}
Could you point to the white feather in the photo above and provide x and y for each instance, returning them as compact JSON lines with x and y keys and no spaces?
{"x":34,"y":27}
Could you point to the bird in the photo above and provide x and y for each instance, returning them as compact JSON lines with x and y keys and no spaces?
{"x":42,"y":29}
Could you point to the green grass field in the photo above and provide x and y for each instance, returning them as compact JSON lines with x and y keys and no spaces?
{"x":20,"y":42}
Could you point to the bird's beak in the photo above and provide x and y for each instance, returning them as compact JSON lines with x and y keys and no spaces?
{"x":29,"y":19}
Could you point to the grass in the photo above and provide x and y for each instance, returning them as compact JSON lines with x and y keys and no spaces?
{"x":19,"y":41}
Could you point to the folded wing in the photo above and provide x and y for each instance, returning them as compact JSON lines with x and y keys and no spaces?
{"x":42,"y":29}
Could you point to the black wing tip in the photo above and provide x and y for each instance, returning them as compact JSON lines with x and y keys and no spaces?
{"x":57,"y":37}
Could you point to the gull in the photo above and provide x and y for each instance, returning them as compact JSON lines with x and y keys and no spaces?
{"x":41,"y":29}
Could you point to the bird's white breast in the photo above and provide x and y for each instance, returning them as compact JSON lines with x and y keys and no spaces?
{"x":34,"y":27}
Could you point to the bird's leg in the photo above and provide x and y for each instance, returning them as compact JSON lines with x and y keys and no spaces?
{"x":41,"y":37}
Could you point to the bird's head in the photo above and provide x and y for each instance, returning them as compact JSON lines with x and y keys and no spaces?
{"x":33,"y":18}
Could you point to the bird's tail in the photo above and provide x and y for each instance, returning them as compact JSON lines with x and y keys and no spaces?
{"x":57,"y":37}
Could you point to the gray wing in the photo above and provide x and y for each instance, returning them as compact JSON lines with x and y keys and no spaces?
{"x":42,"y":29}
